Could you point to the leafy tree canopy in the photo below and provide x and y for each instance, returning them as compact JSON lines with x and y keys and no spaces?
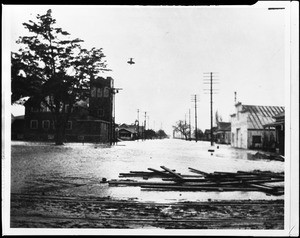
{"x":52,"y":68}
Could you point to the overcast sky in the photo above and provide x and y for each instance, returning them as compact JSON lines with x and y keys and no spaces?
{"x":172,"y":48}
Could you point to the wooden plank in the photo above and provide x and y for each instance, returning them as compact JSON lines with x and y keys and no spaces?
{"x":262,"y":173}
{"x":146,"y":172}
{"x":160,"y":172}
{"x":137,"y":183}
{"x":172,"y":172}
{"x":198,"y":171}
{"x":224,"y":173}
{"x":140,"y":172}
{"x":198,"y":188}
{"x":262,"y":187}
{"x":187,"y":179}
{"x":133,"y":174}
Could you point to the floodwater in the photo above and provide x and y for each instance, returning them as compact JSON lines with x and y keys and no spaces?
{"x":76,"y":169}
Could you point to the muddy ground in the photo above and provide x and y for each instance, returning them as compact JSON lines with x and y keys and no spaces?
{"x":41,"y":211}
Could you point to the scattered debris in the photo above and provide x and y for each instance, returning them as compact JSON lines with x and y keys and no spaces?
{"x":260,"y":155}
{"x":217,"y":181}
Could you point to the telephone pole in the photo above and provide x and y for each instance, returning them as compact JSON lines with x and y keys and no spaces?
{"x":190,"y":124}
{"x":145,"y":126}
{"x":208,"y":79}
{"x":112,"y":128}
{"x":195,"y":100}
{"x":138,"y":124}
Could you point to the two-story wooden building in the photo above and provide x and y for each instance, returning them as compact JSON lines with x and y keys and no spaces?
{"x":89,"y":121}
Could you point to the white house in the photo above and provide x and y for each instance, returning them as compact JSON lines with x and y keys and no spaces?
{"x":247,"y":130}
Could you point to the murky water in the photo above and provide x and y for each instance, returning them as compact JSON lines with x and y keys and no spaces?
{"x":77,"y":169}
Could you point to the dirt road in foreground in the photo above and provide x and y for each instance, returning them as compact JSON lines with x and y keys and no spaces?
{"x":37,"y":211}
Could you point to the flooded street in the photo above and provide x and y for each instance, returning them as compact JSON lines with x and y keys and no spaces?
{"x":60,"y":187}
{"x":76,"y":169}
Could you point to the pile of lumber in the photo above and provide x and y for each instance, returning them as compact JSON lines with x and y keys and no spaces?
{"x":202,"y":181}
{"x":217,"y":181}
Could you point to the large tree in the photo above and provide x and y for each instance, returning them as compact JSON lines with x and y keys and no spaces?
{"x":53,"y":69}
{"x":199,"y":134}
{"x":183,"y":128}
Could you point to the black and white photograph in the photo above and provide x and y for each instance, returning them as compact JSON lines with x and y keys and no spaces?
{"x":150,"y":120}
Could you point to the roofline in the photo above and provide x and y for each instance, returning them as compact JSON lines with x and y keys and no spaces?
{"x":250,"y":105}
{"x":127,"y":130}
{"x":93,"y":120}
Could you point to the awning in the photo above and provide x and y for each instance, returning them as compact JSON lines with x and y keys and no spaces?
{"x":274,"y":124}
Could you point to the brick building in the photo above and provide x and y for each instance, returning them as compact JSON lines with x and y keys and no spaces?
{"x":89,"y":121}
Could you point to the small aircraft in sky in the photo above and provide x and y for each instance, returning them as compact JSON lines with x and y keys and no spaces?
{"x":130,"y":61}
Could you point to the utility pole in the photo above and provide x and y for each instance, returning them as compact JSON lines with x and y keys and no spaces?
{"x":210,"y":81}
{"x":138,"y":124}
{"x":185,"y":126}
{"x":145,"y":126}
{"x":195,"y":100}
{"x":112,"y":132}
{"x":190,"y":124}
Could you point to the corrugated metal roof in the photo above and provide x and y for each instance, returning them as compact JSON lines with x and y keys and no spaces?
{"x":282,"y":114}
{"x":261,"y":115}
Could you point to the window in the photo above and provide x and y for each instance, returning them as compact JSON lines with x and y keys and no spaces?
{"x":46,"y":125}
{"x":99,"y":92}
{"x":256,"y":139}
{"x":100,"y":112}
{"x":53,"y":125}
{"x":67,"y":106}
{"x":93,"y":92}
{"x":69,"y":125}
{"x":35,"y":109}
{"x":104,"y":127}
{"x":106,"y":92}
{"x":33,"y":124}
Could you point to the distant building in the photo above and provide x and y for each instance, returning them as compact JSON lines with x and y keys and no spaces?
{"x":247,"y":125}
{"x":207,"y":134}
{"x":223,"y":133}
{"x":279,"y":126}
{"x":89,"y":121}
{"x":129,"y":132}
